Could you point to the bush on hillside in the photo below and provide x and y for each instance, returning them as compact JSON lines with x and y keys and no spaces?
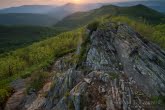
{"x":93,"y":26}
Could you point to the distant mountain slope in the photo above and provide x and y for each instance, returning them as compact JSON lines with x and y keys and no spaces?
{"x":28,"y":9}
{"x":70,"y":8}
{"x":136,"y":12}
{"x":41,"y":15}
{"x":158,"y":5}
{"x":55,"y":11}
{"x":27,"y":19}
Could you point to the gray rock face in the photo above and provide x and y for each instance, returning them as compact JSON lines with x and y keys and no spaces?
{"x":62,"y":85}
{"x":119,"y":48}
{"x":125,"y":70}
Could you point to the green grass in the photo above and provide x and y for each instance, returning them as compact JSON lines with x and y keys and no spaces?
{"x":159,"y":35}
{"x":38,"y":80}
{"x":93,"y":26}
{"x":22,"y":62}
{"x":85,"y":43}
{"x":158,"y":100}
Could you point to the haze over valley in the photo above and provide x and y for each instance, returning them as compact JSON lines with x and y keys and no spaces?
{"x":48,"y":15}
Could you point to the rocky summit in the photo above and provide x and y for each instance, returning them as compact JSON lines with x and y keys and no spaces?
{"x":121,"y":71}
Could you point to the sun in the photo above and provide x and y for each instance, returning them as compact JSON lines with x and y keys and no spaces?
{"x":77,"y":1}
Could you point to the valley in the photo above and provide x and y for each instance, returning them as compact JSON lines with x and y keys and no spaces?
{"x":13,"y":37}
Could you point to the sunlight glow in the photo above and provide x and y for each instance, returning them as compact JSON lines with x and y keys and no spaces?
{"x":77,"y":1}
{"x":8,"y":3}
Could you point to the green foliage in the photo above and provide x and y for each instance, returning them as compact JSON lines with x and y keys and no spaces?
{"x":93,"y":26}
{"x":67,"y":93}
{"x":4,"y":94}
{"x":140,"y":26}
{"x":71,"y":105}
{"x":26,"y":75}
{"x":24,"y":61}
{"x":84,"y":48}
{"x":159,"y":35}
{"x":69,"y":102}
{"x":158,"y":100}
{"x":114,"y":75}
{"x":38,"y":80}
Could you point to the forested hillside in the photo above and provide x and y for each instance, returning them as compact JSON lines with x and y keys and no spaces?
{"x":13,"y":37}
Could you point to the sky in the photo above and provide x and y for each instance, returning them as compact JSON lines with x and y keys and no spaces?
{"x":10,"y":3}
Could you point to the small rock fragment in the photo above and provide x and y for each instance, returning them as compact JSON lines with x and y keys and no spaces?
{"x":87,"y":80}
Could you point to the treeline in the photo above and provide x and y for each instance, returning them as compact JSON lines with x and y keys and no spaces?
{"x":13,"y":37}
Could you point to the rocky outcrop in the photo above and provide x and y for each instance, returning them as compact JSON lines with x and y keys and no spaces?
{"x":121,"y":72}
{"x":119,"y":48}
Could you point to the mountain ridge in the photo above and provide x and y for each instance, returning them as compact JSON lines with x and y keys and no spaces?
{"x":28,"y":9}
{"x":142,"y":12}
{"x":50,"y":14}
{"x":60,"y":12}
{"x":156,"y":5}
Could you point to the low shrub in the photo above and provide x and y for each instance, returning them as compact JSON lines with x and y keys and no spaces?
{"x":93,"y":25}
